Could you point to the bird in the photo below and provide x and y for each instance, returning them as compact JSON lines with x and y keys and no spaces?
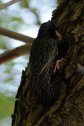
{"x":45,"y":56}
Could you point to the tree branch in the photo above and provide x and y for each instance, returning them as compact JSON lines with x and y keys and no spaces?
{"x":5,"y":5}
{"x":15,"y":35}
{"x":14,"y":53}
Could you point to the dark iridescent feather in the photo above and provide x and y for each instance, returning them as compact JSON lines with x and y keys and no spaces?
{"x":42,"y":56}
{"x":44,"y":47}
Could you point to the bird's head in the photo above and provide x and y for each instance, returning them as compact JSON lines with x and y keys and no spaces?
{"x":47,"y":29}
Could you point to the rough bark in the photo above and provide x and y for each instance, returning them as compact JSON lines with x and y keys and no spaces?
{"x":68,"y":109}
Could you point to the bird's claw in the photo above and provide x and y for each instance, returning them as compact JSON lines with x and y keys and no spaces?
{"x":57,"y":65}
{"x":59,"y":35}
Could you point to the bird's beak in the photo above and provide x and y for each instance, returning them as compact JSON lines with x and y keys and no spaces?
{"x":58,"y":35}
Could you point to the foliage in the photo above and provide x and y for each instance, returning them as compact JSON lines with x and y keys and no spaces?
{"x":6,"y":106}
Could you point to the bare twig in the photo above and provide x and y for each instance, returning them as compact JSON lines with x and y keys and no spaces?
{"x":14,"y":53}
{"x":5,"y":5}
{"x":19,"y":51}
{"x":15,"y":35}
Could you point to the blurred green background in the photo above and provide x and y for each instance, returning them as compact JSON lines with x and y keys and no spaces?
{"x":24,"y":17}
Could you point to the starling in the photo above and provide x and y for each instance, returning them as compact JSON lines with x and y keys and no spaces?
{"x":44,"y":52}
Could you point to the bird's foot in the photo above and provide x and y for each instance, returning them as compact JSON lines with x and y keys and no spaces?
{"x":58,"y":35}
{"x":57,"y":65}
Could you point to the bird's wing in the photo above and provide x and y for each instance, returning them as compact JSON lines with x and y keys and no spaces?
{"x":48,"y":65}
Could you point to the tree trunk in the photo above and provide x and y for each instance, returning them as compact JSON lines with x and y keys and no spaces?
{"x":68,"y":109}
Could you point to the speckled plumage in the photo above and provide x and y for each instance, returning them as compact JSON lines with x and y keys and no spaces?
{"x":44,"y":47}
{"x":43,"y":53}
